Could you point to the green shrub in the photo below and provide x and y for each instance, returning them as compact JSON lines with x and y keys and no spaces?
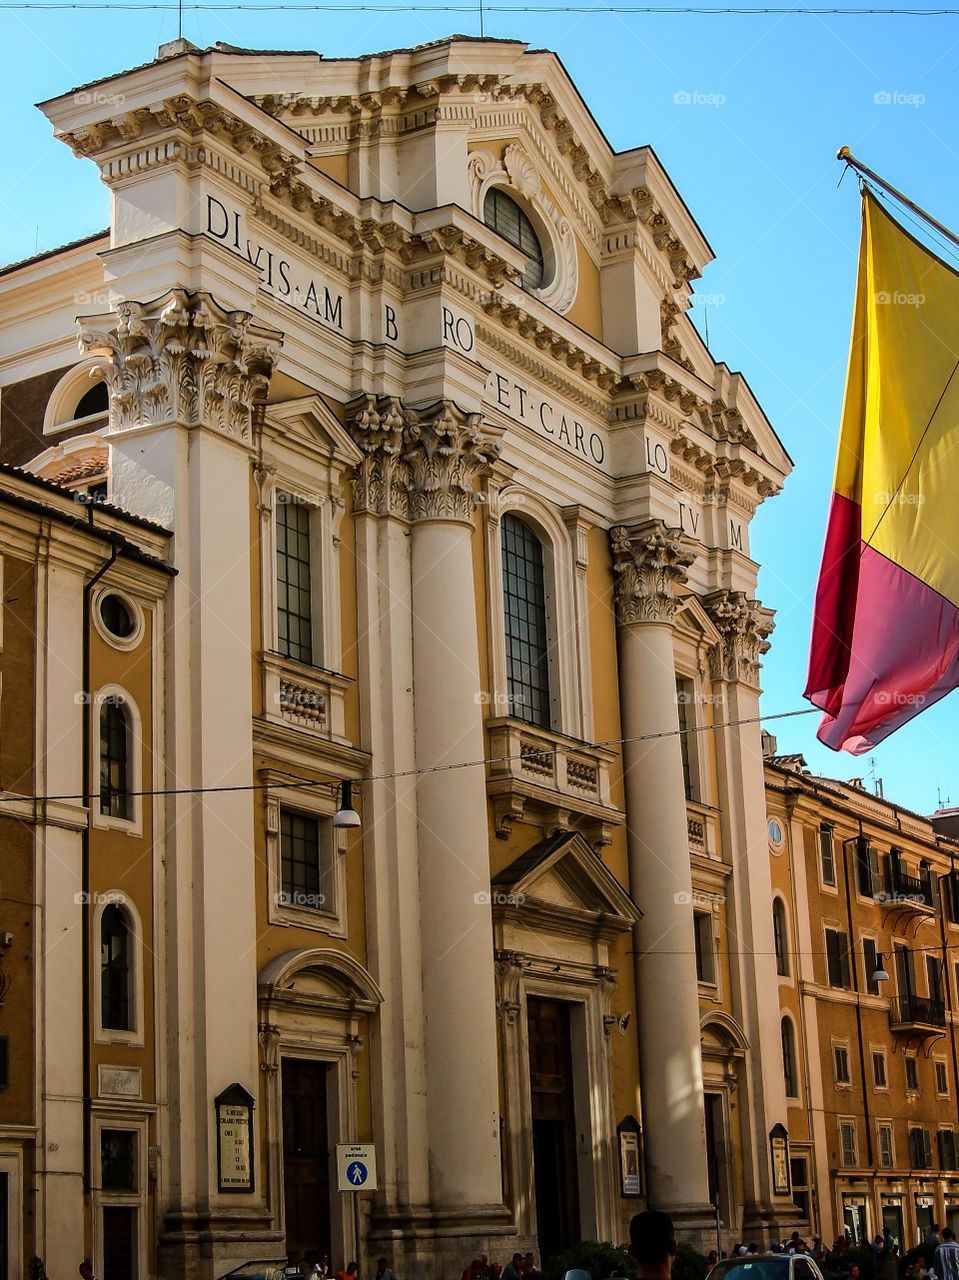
{"x":600,"y":1258}
{"x":689,"y":1263}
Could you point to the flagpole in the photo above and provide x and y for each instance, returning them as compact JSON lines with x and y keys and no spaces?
{"x":847,"y":157}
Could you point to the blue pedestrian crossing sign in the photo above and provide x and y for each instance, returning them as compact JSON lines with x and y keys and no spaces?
{"x":355,"y":1166}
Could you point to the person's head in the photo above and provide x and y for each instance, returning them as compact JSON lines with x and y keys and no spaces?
{"x":517,"y":1259}
{"x":712,"y":1257}
{"x":351,"y":1268}
{"x":948,"y":1233}
{"x":381,"y":1265}
{"x":652,"y":1241}
{"x":854,"y":1271}
{"x":86,"y":1269}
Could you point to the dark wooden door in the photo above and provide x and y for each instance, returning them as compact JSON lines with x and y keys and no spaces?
{"x":119,"y":1243}
{"x":306,"y":1160}
{"x":555,"y":1176}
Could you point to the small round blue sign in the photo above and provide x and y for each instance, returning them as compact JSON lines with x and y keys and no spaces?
{"x":356,"y":1173}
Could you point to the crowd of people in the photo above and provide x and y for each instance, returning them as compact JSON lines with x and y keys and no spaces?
{"x":937,"y":1258}
{"x":521,"y":1266}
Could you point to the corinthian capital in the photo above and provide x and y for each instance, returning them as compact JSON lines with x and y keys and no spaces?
{"x":418,"y":464}
{"x":447,"y":451}
{"x":380,"y":481}
{"x":649,"y":562}
{"x":744,"y":627}
{"x":182,"y":359}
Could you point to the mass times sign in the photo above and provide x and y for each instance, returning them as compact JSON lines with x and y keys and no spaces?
{"x":234,"y":1139}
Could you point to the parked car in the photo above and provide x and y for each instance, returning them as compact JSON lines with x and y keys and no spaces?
{"x":766,"y":1266}
{"x":265,"y":1269}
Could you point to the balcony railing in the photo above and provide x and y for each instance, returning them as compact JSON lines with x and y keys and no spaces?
{"x":899,"y":889}
{"x":917,"y":1011}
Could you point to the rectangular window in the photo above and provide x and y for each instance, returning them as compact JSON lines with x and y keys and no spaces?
{"x":837,"y":958}
{"x":942,"y":1078}
{"x":912,"y":1073}
{"x":879,"y":1069}
{"x":306,"y":861}
{"x":920,"y":1148}
{"x":703,"y":932}
{"x":948,"y":1149}
{"x":685,"y":696}
{"x":867,"y":868}
{"x":886,"y":1155}
{"x":840,"y":1059}
{"x":848,"y":1144}
{"x":950,"y":896}
{"x":869,"y":960}
{"x":294,"y":607}
{"x":934,"y":978}
{"x":118,"y":1160}
{"x":827,"y":857}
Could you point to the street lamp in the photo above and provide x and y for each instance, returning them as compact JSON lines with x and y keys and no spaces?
{"x":879,"y":973}
{"x":346,"y":815}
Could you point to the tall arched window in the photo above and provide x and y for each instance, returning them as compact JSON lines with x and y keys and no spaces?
{"x":116,"y":1006}
{"x":788,"y":1035}
{"x":115,"y":785}
{"x":781,"y":937}
{"x":525,"y":617}
{"x":505,"y":216}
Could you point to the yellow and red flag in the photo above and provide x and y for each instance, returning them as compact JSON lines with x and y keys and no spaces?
{"x":885,"y":635}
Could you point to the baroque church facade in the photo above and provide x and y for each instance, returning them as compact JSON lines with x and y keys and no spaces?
{"x":383,"y":452}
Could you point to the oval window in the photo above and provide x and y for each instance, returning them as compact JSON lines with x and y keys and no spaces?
{"x":117,"y":616}
{"x":508,"y":220}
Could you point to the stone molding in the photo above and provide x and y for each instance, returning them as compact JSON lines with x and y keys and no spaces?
{"x":182,"y":359}
{"x":649,"y":562}
{"x":518,"y":172}
{"x":419,"y":464}
{"x":744,"y":627}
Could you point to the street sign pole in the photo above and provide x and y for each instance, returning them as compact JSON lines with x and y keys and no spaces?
{"x":356,"y":1172}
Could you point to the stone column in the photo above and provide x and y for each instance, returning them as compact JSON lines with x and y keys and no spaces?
{"x":446,"y":452}
{"x":185,"y":377}
{"x":649,"y":563}
{"x":744,"y":626}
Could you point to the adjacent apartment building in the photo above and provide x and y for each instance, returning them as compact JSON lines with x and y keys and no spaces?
{"x":381,"y":384}
{"x":866,"y":927}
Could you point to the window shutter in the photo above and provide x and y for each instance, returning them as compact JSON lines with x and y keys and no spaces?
{"x":895,"y":868}
{"x":926,"y":1149}
{"x":946,"y":1144}
{"x":875,"y":879}
{"x":844,"y":960}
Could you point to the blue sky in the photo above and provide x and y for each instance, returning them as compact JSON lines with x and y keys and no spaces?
{"x":746,"y":113}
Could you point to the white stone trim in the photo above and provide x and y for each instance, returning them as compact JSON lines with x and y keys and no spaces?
{"x":66,"y":395}
{"x":569,"y":696}
{"x":519,"y":177}
{"x":138,"y":1124}
{"x":113,"y":1035}
{"x":11,"y":1164}
{"x":315,"y":802}
{"x":132,"y":825}
{"x":117,"y":642}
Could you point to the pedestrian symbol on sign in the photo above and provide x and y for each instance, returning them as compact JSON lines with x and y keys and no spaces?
{"x":357,"y":1173}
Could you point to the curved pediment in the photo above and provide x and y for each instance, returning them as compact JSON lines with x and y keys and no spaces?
{"x":319,"y":975}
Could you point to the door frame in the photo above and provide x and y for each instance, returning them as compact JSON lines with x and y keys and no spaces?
{"x":11,"y":1163}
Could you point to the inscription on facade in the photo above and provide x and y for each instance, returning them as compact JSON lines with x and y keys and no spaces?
{"x":283,"y":275}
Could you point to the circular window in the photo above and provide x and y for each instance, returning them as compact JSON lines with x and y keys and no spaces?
{"x":117,"y":617}
{"x":118,"y":620}
{"x":508,"y":220}
{"x":776,"y":834}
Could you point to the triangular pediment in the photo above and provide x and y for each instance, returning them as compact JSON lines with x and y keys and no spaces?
{"x":309,"y":422}
{"x":562,"y":874}
{"x":693,"y":617}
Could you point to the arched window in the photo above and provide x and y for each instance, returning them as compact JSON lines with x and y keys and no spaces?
{"x":527,"y":637}
{"x":114,"y":759}
{"x":781,"y":937}
{"x":788,"y":1035}
{"x":507,"y":219}
{"x":116,"y":1006}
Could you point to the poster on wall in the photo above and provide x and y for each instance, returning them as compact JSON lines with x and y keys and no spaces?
{"x":631,"y":1176}
{"x":779,"y":1153}
{"x":234,"y":1139}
